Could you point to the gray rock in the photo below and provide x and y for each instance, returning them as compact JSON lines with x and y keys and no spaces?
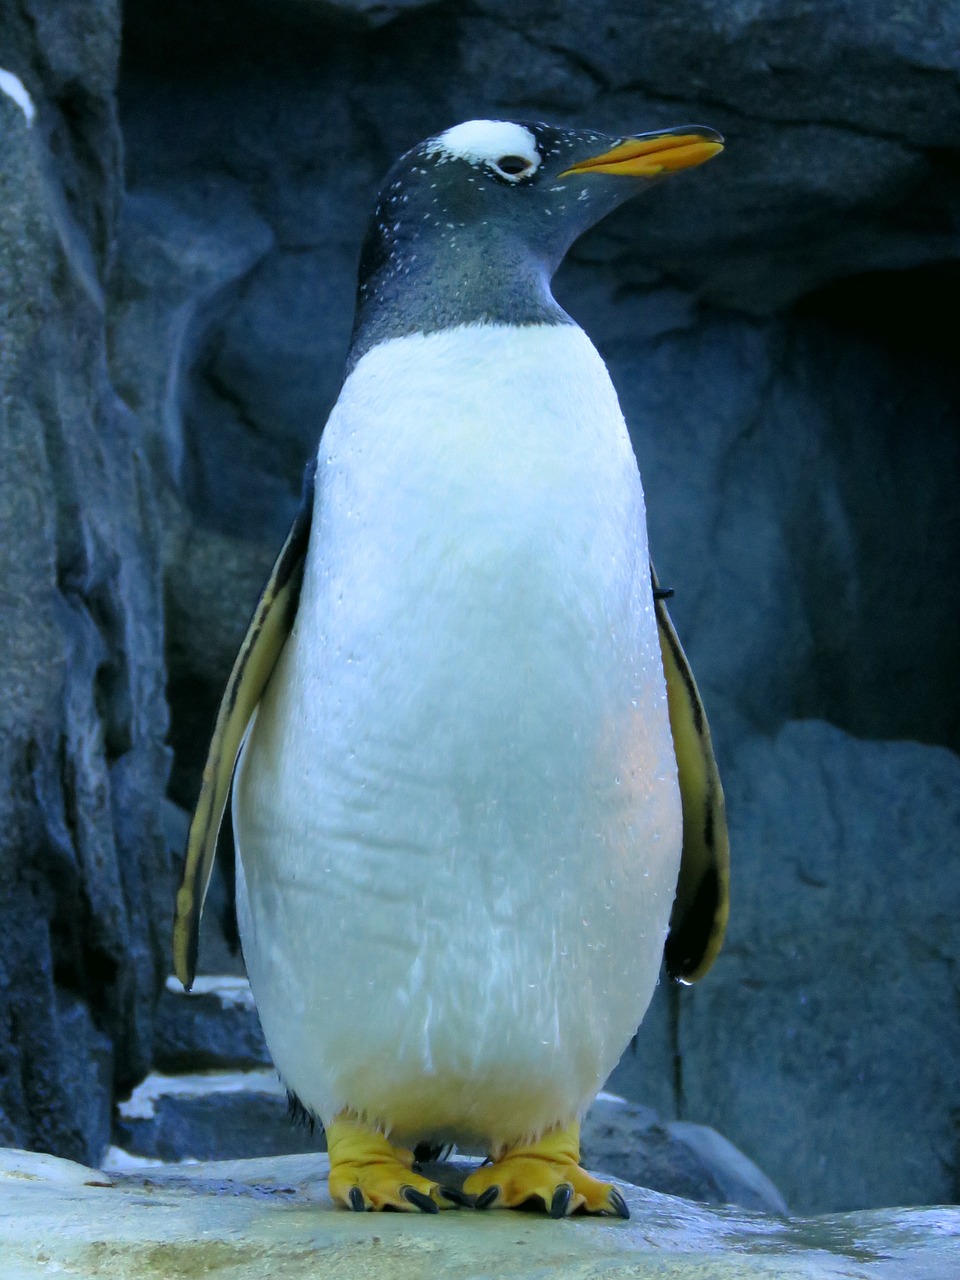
{"x":819,"y":1044}
{"x":85,"y":883}
{"x":182,"y":265}
{"x":246,"y":1219}
{"x":863,"y":67}
{"x":801,"y":505}
{"x":368,"y":13}
{"x":217,"y":1115}
{"x":212,"y":583}
{"x":678,"y":1158}
{"x":219,"y":1127}
{"x":214,"y":1027}
{"x":178,"y":261}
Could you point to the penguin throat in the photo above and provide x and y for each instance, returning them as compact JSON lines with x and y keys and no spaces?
{"x":431,"y":284}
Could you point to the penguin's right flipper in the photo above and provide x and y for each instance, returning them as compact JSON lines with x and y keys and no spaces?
{"x":262,"y":645}
{"x":700,"y":910}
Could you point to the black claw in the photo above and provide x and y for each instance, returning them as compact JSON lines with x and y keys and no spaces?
{"x":561,"y":1200}
{"x":456,"y":1196}
{"x":487,"y":1198}
{"x":357,"y":1203}
{"x":618,"y":1204}
{"x":422,"y":1202}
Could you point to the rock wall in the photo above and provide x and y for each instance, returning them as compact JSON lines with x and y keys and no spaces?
{"x":773,"y":324}
{"x":85,"y":880}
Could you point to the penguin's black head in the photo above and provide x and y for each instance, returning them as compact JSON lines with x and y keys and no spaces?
{"x":471,"y":224}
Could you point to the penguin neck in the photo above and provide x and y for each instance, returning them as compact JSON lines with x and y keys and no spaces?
{"x":431,"y":282}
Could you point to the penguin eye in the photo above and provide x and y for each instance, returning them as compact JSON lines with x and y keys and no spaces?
{"x":513,"y":166}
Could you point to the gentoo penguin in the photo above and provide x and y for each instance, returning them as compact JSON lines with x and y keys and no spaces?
{"x":469,"y":769}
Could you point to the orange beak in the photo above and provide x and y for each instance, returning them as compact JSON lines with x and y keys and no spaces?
{"x":653,"y":154}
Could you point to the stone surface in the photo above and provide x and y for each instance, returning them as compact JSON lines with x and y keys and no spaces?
{"x":246,"y":1219}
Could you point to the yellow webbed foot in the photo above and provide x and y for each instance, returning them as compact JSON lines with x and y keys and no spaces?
{"x":549,"y":1171}
{"x":368,"y":1172}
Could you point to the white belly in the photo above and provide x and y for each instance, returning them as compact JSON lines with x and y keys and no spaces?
{"x":457,"y":813}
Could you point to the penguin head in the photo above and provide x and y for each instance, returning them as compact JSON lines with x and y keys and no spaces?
{"x":470,"y":226}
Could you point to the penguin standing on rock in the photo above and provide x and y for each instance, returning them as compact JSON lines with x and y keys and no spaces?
{"x":473,"y":792}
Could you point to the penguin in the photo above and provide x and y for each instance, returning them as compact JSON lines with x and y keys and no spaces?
{"x":471,"y":784}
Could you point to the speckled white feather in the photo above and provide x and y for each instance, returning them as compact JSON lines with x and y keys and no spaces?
{"x":457,"y":811}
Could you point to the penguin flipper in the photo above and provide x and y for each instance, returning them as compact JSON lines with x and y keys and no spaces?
{"x":262,"y":645}
{"x":700,"y":910}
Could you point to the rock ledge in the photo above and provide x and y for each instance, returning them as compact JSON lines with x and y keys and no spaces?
{"x":242,"y":1220}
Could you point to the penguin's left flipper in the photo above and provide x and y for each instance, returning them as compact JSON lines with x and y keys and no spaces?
{"x":700,"y":910}
{"x":262,"y":645}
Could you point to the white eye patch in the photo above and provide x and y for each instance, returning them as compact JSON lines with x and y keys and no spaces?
{"x":508,"y":148}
